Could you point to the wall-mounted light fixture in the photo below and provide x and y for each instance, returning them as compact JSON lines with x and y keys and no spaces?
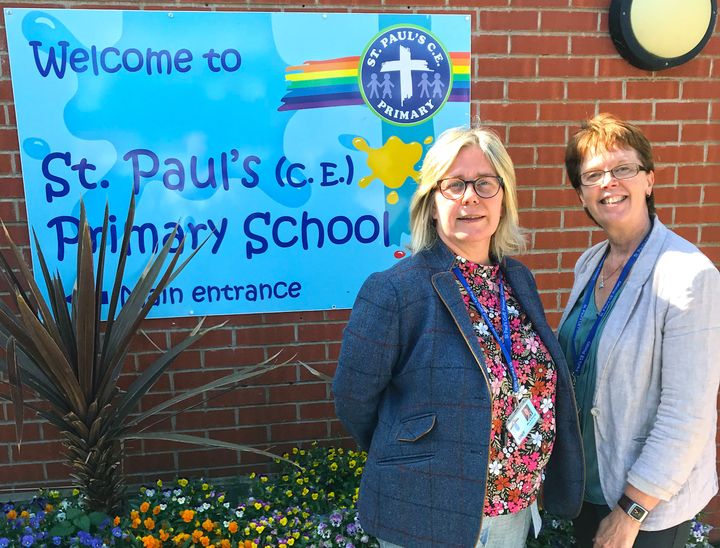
{"x":659,"y":34}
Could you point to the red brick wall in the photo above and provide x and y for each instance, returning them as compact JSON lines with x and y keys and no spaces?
{"x":539,"y":66}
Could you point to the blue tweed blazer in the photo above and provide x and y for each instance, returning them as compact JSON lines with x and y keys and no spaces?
{"x":411,"y":388}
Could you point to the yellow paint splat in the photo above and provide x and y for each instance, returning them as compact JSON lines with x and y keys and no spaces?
{"x":392,"y":163}
{"x":393,"y":198}
{"x":428,"y":140}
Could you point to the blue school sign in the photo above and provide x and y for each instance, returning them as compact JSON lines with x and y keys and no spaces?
{"x":289,"y":141}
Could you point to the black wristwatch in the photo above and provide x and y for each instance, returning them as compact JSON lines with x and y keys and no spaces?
{"x":632,"y":508}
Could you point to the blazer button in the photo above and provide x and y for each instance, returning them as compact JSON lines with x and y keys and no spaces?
{"x":594,"y":411}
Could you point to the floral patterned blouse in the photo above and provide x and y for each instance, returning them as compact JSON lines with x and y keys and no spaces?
{"x":515,"y":472}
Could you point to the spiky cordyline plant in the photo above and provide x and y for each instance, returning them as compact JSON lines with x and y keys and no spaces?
{"x":71,"y":360}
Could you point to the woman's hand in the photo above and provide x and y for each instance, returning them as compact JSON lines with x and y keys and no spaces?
{"x":617,"y":530}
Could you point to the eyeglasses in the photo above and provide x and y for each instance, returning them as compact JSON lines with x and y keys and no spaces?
{"x":623,"y":171}
{"x":485,"y":186}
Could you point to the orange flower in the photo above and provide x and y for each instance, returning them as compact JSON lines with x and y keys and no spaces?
{"x":205,"y":541}
{"x":116,"y":521}
{"x":197,"y":535}
{"x":208,"y":525}
{"x":149,"y":523}
{"x":49,"y":508}
{"x":233,"y":527}
{"x":156,"y":510}
{"x":225,"y":543}
{"x":134,"y":515}
{"x":151,"y":542}
{"x":501,"y":483}
{"x":12,"y":514}
{"x":180,"y":538}
{"x":187,"y":515}
{"x":164,"y":535}
{"x":135,"y":523}
{"x":144,"y":507}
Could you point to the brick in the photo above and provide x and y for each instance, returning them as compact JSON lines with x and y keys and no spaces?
{"x":711,"y":194}
{"x":682,"y":110}
{"x":568,"y":259}
{"x":713,"y":154}
{"x":695,"y":174}
{"x":539,"y":176}
{"x":513,"y":67}
{"x":33,"y":474}
{"x":487,"y":90}
{"x":540,"y":3}
{"x":8,"y":139}
{"x":299,"y":431}
{"x":522,"y":155}
{"x":537,"y":134}
{"x":592,"y":45}
{"x":320,"y":332}
{"x":685,"y":194}
{"x":539,"y":45}
{"x":696,"y":214}
{"x":553,"y":155}
{"x":267,"y":414}
{"x":299,"y":392}
{"x":536,"y":91}
{"x":536,"y":218}
{"x":594,"y":90}
{"x":540,"y":261}
{"x":265,"y":335}
{"x":510,"y":20}
{"x":202,"y":459}
{"x":554,"y":280}
{"x":508,"y":112}
{"x":700,"y":89}
{"x":232,"y":357}
{"x":573,"y":239}
{"x":570,"y":112}
{"x":321,"y":410}
{"x":485,"y":44}
{"x":617,"y":67}
{"x":678,"y":154}
{"x":700,"y":132}
{"x":564,"y":21}
{"x":699,"y":67}
{"x":653,"y":89}
{"x":662,"y":133}
{"x":565,"y":67}
{"x":134,"y":464}
{"x":710,"y":234}
{"x":628,"y":110}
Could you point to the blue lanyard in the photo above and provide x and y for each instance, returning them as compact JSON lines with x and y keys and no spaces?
{"x":504,"y":343}
{"x":579,"y":360}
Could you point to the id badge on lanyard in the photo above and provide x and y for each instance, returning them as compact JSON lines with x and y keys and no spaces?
{"x":524,"y":416}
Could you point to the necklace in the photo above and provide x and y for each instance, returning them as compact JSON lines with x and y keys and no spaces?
{"x":602,"y":276}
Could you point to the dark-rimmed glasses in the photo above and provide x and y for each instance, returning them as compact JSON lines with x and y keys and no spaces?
{"x":623,"y":171}
{"x":485,"y":186}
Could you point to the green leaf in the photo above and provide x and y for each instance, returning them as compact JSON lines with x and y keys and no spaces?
{"x":73,"y":513}
{"x":97,"y":518}
{"x":82,"y":523}
{"x":62,"y":529}
{"x":197,"y":440}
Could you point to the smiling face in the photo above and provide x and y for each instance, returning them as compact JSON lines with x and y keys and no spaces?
{"x":617,"y":205}
{"x":467,"y":225}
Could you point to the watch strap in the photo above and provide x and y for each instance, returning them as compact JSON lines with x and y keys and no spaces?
{"x":633,"y":509}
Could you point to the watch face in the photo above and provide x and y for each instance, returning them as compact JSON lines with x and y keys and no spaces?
{"x":637,"y":512}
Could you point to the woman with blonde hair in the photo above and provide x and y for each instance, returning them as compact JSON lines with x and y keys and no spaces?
{"x":449,"y":375}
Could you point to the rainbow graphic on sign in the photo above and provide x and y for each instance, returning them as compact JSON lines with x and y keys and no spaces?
{"x":334,"y":83}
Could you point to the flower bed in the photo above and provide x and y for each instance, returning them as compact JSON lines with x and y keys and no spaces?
{"x":307,"y":506}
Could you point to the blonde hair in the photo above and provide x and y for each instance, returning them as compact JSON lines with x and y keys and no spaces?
{"x":508,"y":237}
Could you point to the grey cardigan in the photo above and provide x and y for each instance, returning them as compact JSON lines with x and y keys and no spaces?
{"x":658,"y":369}
{"x":411,"y":387}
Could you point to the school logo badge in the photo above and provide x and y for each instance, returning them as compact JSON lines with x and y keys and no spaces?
{"x":405,"y":75}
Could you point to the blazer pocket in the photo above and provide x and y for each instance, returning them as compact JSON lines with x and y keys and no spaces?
{"x":414,"y":428}
{"x":404,"y":459}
